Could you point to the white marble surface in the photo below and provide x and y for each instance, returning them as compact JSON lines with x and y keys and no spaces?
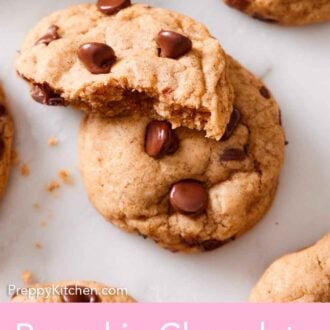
{"x":78,"y":244}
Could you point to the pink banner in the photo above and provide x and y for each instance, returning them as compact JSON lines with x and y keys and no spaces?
{"x":164,"y":317}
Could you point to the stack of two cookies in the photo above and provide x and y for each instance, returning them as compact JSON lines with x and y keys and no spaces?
{"x":180,"y":143}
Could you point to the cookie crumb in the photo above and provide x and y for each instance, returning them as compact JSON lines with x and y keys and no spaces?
{"x":65,"y":177}
{"x":52,"y":141}
{"x":25,"y":170}
{"x":36,"y":206}
{"x":38,"y":246}
{"x":54,"y":185}
{"x":43,"y":224}
{"x":27,"y":277}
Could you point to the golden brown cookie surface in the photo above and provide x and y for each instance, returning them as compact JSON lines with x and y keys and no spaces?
{"x":186,"y":192}
{"x":286,"y":12}
{"x":303,"y":276}
{"x":142,"y":58}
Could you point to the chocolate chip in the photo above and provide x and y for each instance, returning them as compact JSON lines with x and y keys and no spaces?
{"x":98,"y":58}
{"x":51,"y":35}
{"x":265,"y":92}
{"x":280,"y":117}
{"x":233,"y":154}
{"x":3,"y":110}
{"x":110,"y":7}
{"x":232,"y":125}
{"x":79,"y":294}
{"x":264,"y":19}
{"x":44,"y":94}
{"x":238,"y":4}
{"x":189,"y":197}
{"x":160,"y":139}
{"x":173,"y":45}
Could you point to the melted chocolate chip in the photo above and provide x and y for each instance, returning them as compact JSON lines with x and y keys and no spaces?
{"x":3,"y":110}
{"x":265,"y":92}
{"x":51,"y":35}
{"x":189,"y":197}
{"x":280,"y":117}
{"x":44,"y":94}
{"x":264,"y":19}
{"x":110,"y":7}
{"x":98,"y":58}
{"x":79,"y":294}
{"x":238,"y":4}
{"x":173,"y":45}
{"x":160,"y":139}
{"x":232,"y":125}
{"x":233,"y":154}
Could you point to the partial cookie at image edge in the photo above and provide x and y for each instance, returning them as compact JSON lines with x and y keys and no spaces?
{"x":303,"y":277}
{"x":6,"y":142}
{"x":301,"y":12}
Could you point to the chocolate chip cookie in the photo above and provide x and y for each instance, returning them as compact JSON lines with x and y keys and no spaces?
{"x":286,"y":12}
{"x":186,"y":192}
{"x":114,"y":57}
{"x":6,"y":141}
{"x":71,"y":292}
{"x":303,"y":276}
